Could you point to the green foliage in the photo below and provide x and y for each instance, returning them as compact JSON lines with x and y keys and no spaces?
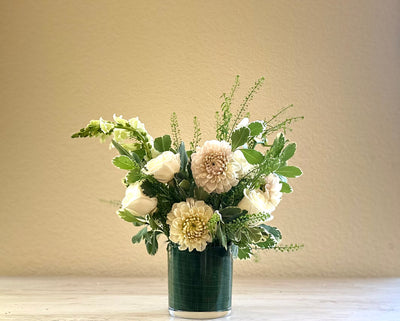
{"x":256,"y":128}
{"x":244,"y":252}
{"x":196,"y":134}
{"x":245,"y":104}
{"x":272,"y":126}
{"x":152,"y":242}
{"x":140,"y":235}
{"x":129,"y":217}
{"x":221,"y":236}
{"x":223,"y":121}
{"x":277,"y":146}
{"x":176,"y":132}
{"x":133,"y":176}
{"x":121,"y":150}
{"x":124,"y":162}
{"x":273,"y":231}
{"x":163,"y":143}
{"x":286,"y":188}
{"x":231,"y":213}
{"x":183,"y":157}
{"x":239,"y":137}
{"x":288,"y":152}
{"x":289,"y":171}
{"x":252,"y":156}
{"x":212,"y":223}
{"x":289,"y":248}
{"x":91,"y":130}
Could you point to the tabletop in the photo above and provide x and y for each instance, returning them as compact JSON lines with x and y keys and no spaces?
{"x":87,"y":298}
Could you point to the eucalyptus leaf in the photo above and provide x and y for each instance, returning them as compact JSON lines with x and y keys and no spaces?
{"x":183,"y":156}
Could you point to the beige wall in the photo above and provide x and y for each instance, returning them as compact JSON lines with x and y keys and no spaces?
{"x":66,"y":62}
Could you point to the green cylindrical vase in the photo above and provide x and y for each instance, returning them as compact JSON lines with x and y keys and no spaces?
{"x":200,"y":283}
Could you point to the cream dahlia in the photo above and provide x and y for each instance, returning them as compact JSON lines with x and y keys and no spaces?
{"x":213,"y":167}
{"x":188,"y":224}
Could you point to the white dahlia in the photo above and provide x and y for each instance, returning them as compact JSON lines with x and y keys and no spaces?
{"x":213,"y":167}
{"x":188,"y":224}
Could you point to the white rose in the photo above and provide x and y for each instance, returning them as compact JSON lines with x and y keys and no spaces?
{"x":137,"y":202}
{"x":164,"y":166}
{"x":244,"y":167}
{"x":254,"y":202}
{"x":273,"y":188}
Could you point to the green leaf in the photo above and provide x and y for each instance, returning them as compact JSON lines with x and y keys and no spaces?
{"x":124,"y":162}
{"x":244,"y":252}
{"x":136,"y":157}
{"x":255,"y":234}
{"x":252,"y":156}
{"x":129,"y":217}
{"x":277,"y":146}
{"x":230,"y":213}
{"x":268,"y":243}
{"x":288,"y":152}
{"x":120,"y":149}
{"x":133,"y":176}
{"x":286,"y":188}
{"x":239,"y":137}
{"x":140,"y":154}
{"x":221,"y":236}
{"x":151,"y":242}
{"x":272,"y":231}
{"x":163,"y":143}
{"x":148,"y":188}
{"x":200,"y":193}
{"x":140,"y":235}
{"x":183,"y":156}
{"x":289,"y":171}
{"x":256,"y":128}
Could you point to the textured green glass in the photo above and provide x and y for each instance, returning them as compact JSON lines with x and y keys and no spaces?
{"x":200,"y":281}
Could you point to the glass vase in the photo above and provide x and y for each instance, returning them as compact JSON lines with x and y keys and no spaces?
{"x":200,"y":283}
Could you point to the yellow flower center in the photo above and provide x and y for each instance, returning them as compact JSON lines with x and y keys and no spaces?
{"x":194,"y":227}
{"x":215,"y":163}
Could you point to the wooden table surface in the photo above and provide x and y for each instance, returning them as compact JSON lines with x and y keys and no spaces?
{"x":81,"y":299}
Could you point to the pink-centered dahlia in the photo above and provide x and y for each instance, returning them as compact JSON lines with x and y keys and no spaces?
{"x":188,"y":224}
{"x":213,"y":167}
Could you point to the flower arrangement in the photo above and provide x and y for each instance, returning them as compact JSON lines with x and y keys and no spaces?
{"x":221,"y":192}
